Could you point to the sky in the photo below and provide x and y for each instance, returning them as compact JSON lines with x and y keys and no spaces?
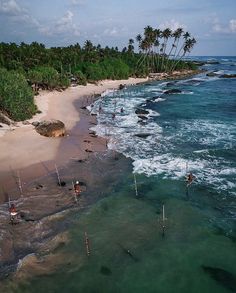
{"x":114,"y":22}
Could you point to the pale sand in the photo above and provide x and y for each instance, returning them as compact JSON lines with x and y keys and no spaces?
{"x":22,"y":147}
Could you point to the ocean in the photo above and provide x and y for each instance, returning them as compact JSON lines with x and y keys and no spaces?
{"x":168,"y":129}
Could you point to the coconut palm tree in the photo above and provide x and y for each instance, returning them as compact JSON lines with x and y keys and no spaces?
{"x":166,"y":34}
{"x":188,"y":46}
{"x":176,"y":35}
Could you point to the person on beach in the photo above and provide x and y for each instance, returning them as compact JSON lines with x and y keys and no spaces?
{"x":113,"y":116}
{"x":122,"y":110}
{"x":77,"y":188}
{"x":13,"y":213}
{"x":190,"y":177}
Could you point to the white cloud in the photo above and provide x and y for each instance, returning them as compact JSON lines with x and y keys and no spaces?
{"x":77,"y":2}
{"x":17,"y":13}
{"x":65,"y":25}
{"x":229,"y":28}
{"x":110,"y":32}
{"x":232,"y":25}
{"x":10,"y":7}
{"x":172,"y":24}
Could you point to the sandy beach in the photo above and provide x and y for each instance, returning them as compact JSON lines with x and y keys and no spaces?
{"x":22,"y":147}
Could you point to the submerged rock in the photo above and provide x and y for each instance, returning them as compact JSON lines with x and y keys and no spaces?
{"x":141,"y":111}
{"x":224,"y":277}
{"x":142,"y":135}
{"x":105,"y":271}
{"x":142,"y":117}
{"x":211,"y":74}
{"x":173,"y":91}
{"x":227,"y":76}
{"x":51,"y":128}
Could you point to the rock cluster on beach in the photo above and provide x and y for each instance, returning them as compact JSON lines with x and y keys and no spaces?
{"x":51,"y":128}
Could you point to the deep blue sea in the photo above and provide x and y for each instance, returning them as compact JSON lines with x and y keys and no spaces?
{"x":193,"y":130}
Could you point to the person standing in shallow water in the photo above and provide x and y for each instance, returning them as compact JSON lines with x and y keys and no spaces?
{"x":13,"y":213}
{"x":190,"y":177}
{"x":77,"y":188}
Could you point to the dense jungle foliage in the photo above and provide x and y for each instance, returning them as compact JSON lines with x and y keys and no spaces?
{"x":25,"y":68}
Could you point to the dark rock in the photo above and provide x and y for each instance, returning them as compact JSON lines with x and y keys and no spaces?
{"x":227,"y":76}
{"x":1,"y":125}
{"x":211,"y":74}
{"x":62,"y":183}
{"x":170,"y":84}
{"x":173,"y":91}
{"x":84,"y":108}
{"x":141,"y":111}
{"x":223,"y":277}
{"x":88,"y":151}
{"x":35,"y":123}
{"x":51,"y":128}
{"x":142,"y":117}
{"x":142,"y":135}
{"x":105,"y":271}
{"x":121,"y":86}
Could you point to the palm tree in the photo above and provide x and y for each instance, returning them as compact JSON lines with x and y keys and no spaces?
{"x":166,"y":34}
{"x":130,"y":46}
{"x":176,"y":35}
{"x":188,"y":46}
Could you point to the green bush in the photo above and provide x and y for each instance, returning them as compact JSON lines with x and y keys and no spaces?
{"x":80,"y":77}
{"x":16,"y":96}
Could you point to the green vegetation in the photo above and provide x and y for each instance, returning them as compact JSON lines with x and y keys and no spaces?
{"x":26,"y":68}
{"x":16,"y":97}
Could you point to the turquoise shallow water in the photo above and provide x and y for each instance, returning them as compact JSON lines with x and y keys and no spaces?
{"x":194,"y":130}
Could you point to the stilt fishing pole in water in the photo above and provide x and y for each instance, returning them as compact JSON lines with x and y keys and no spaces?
{"x":58,"y":176}
{"x":135,"y":185}
{"x":87,"y":246}
{"x":163,"y":221}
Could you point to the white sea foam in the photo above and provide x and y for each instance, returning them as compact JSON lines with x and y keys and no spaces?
{"x":108,"y":92}
{"x":159,"y":100}
{"x":156,"y":154}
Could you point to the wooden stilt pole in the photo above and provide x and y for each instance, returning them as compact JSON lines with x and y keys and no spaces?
{"x":19,"y":183}
{"x":87,"y":244}
{"x":135,"y":185}
{"x":75,"y":196}
{"x":163,"y":221}
{"x":58,"y":176}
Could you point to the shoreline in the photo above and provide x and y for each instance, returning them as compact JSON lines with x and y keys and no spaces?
{"x":23,"y":150}
{"x":88,"y":168}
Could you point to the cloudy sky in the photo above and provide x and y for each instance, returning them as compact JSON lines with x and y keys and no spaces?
{"x":113,"y":22}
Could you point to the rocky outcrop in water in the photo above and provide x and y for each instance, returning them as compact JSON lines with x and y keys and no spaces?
{"x":211,"y":74}
{"x":142,"y":135}
{"x":141,"y":111}
{"x":227,"y":76}
{"x":173,"y":91}
{"x":223,"y":277}
{"x":51,"y":128}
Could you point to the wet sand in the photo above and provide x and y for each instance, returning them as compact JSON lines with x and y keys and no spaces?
{"x":25,"y":155}
{"x":43,"y":206}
